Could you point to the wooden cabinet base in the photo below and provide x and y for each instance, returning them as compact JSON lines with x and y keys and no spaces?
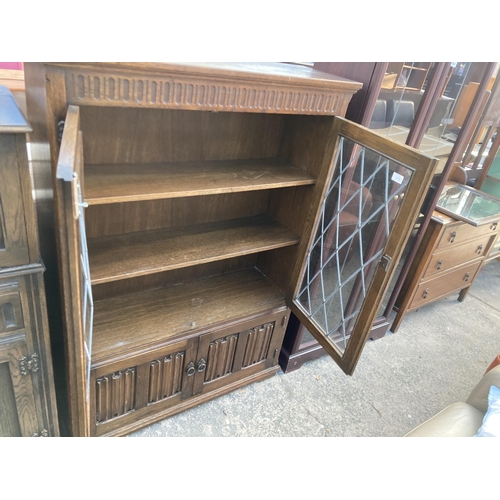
{"x":27,"y":395}
{"x":133,"y":425}
{"x":139,"y":390}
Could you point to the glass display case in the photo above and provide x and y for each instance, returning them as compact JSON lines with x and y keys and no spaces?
{"x":468,"y":204}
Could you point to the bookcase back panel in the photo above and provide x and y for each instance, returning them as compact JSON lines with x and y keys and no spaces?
{"x":176,"y":276}
{"x":306,"y":139}
{"x":128,"y":135}
{"x":121,"y":218}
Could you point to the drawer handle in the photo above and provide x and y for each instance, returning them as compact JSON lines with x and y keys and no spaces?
{"x":467,"y":276}
{"x":453,"y":236}
{"x":190,"y":369}
{"x":494,"y":226}
{"x":440,"y":263}
{"x":479,"y":249}
{"x":426,"y":292}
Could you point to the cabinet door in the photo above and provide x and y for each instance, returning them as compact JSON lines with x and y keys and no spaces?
{"x":364,"y":210}
{"x":18,"y":416}
{"x":140,"y":387}
{"x":76,"y":288}
{"x":242,"y":351}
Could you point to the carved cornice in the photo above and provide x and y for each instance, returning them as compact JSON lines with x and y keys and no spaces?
{"x":88,"y":86}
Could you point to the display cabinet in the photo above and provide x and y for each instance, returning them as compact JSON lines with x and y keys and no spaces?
{"x":27,"y":396}
{"x":197,"y":206}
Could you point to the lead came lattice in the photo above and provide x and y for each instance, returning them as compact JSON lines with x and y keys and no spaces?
{"x":363,"y":197}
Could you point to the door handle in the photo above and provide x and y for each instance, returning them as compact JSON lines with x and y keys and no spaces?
{"x":202,"y":364}
{"x":190,"y":369}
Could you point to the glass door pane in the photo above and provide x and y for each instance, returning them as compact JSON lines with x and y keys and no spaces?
{"x":363,"y":199}
{"x":369,"y":202}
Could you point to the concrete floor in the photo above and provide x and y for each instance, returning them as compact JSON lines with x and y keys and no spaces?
{"x":436,"y":357}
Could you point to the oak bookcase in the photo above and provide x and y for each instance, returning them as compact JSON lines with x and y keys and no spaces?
{"x":182,"y":194}
{"x":197,"y":206}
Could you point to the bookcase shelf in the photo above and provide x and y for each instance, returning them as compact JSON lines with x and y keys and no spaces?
{"x":135,"y":254}
{"x":164,"y":313}
{"x":136,"y":182}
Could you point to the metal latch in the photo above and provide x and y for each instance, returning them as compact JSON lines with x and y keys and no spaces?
{"x":28,"y":364}
{"x":385,"y":262}
{"x":43,"y":433}
{"x":60,"y":131}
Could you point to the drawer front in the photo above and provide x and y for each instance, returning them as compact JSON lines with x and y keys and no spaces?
{"x":445,"y":284}
{"x":456,"y":256}
{"x":11,"y":315}
{"x":457,"y":234}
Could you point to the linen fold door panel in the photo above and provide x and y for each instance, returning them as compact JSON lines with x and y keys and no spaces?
{"x":370,"y":203}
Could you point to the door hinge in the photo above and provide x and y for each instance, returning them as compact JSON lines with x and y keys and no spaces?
{"x":385,"y":262}
{"x":44,"y":433}
{"x":28,"y":364}
{"x":60,"y":130}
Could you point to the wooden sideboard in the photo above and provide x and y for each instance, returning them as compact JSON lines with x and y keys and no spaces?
{"x":27,"y":395}
{"x":448,"y":260}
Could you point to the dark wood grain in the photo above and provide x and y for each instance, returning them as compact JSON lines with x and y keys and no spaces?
{"x":130,"y":182}
{"x":173,"y":277}
{"x":131,"y":135}
{"x":130,"y":217}
{"x":135,"y":254}
{"x":9,"y":423}
{"x":21,"y":416}
{"x":14,"y":250}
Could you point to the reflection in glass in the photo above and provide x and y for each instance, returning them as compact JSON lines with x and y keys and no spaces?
{"x":468,"y":204}
{"x":362,"y":201}
{"x":399,"y":99}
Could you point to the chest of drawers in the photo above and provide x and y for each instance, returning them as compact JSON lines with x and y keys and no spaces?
{"x":449,"y":258}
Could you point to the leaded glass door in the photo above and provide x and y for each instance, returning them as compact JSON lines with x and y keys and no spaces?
{"x":77,"y":292}
{"x":366,"y":205}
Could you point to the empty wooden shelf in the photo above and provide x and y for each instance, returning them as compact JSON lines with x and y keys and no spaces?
{"x":164,"y":313}
{"x":134,"y":254}
{"x":131,"y":182}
